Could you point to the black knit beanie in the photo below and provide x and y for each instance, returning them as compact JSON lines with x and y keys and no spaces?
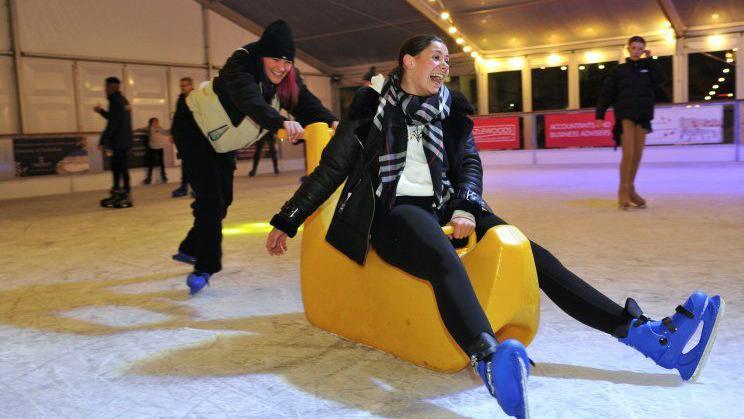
{"x":277,"y":41}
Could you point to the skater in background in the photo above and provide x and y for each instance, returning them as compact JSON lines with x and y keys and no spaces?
{"x":270,"y":141}
{"x":186,"y":85}
{"x":410,"y":164}
{"x":157,"y":139}
{"x":117,"y":138}
{"x":630,"y":89}
{"x":254,"y":77}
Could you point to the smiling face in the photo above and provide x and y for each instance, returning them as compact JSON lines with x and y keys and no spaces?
{"x":424,"y":74}
{"x":635,"y":49}
{"x":276,"y":69}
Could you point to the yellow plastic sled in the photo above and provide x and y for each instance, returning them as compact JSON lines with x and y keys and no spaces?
{"x":383,"y":307}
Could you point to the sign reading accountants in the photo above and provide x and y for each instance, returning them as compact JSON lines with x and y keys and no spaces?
{"x":496,"y":133}
{"x":578,"y":130}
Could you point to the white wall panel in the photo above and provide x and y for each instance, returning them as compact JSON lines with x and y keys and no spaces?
{"x":4,"y":26}
{"x":92,"y":92}
{"x":147,"y":91}
{"x":162,"y":30}
{"x":49,"y":100}
{"x":226,"y":37}
{"x":8,"y":99}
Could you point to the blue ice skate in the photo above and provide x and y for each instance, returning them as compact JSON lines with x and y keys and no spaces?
{"x":197,"y":281}
{"x":663,"y":341}
{"x":505,"y":373}
{"x":185,"y":258}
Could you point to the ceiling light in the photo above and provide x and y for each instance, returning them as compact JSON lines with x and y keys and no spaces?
{"x":712,"y":92}
{"x":655,"y":57}
{"x":729,"y":60}
{"x":721,"y":79}
{"x":730,"y":95}
{"x":715,"y":86}
{"x":707,"y":98}
{"x":716,"y":41}
{"x":445,"y":15}
{"x":564,"y":68}
{"x":452,"y":29}
{"x":474,"y":54}
{"x":554,"y":59}
{"x":715,"y":16}
{"x":601,"y":66}
{"x":542,"y":67}
{"x":581,"y":67}
{"x":667,"y":24}
{"x":726,"y":70}
{"x":460,"y":41}
{"x":467,"y":48}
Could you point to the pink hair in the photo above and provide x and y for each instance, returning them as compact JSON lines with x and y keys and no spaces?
{"x":287,"y":90}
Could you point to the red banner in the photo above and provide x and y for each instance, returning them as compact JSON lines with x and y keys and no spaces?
{"x":496,"y":133}
{"x":578,"y":130}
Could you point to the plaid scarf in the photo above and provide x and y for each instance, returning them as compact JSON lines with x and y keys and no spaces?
{"x":397,"y":111}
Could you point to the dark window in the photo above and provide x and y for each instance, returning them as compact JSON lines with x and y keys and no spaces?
{"x":549,"y":88}
{"x":591,"y":77}
{"x":467,"y":85}
{"x":505,"y":92}
{"x":665,"y":94}
{"x":712,"y":75}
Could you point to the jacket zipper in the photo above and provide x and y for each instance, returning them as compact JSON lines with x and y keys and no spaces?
{"x":348,"y":194}
{"x":369,"y":228}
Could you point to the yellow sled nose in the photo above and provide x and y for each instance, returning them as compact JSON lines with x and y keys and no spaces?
{"x":383,"y":307}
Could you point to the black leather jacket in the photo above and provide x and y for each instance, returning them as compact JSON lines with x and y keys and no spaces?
{"x":350,"y":156}
{"x":630,"y":89}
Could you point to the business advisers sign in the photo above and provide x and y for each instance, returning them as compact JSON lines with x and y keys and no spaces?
{"x":50,"y":156}
{"x":578,"y":130}
{"x":496,"y":133}
{"x":687,"y":125}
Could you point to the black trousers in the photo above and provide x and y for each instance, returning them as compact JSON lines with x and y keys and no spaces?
{"x":211,"y":177}
{"x":270,"y":141}
{"x":155,"y":158}
{"x":410,"y":237}
{"x":120,"y":168}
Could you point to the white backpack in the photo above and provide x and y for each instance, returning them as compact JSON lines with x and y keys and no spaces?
{"x":215,"y":124}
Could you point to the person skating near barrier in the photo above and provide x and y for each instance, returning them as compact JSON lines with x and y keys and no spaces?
{"x":186,"y":85}
{"x":256,"y":81}
{"x":407,"y":154}
{"x":630,"y":89}
{"x":117,"y":139}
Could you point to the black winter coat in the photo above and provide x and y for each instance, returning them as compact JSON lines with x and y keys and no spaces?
{"x":351,"y":156}
{"x":630,"y":90}
{"x":239,"y":88}
{"x":118,"y":134}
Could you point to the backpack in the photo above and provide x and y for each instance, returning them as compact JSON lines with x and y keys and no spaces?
{"x":215,"y":124}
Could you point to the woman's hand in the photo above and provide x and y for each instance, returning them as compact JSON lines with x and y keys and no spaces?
{"x":294,"y":131}
{"x":462,"y":227}
{"x":276,"y":243}
{"x":334,"y":125}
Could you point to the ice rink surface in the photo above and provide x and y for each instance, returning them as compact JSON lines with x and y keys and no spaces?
{"x":95,"y":320}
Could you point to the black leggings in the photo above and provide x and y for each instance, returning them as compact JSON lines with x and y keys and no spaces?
{"x":120,"y":168}
{"x":410,"y":237}
{"x":271,"y":143}
{"x":155,"y":158}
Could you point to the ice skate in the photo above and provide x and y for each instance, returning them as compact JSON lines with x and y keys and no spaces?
{"x":664,"y":341}
{"x":197,"y":281}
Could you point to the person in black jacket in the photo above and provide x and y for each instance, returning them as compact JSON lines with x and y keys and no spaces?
{"x":630,"y":89}
{"x":186,"y":85}
{"x":410,"y":164}
{"x":246,"y":85}
{"x":117,"y":137}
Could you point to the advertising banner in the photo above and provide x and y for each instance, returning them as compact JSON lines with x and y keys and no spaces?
{"x":578,"y":130}
{"x":496,"y":133}
{"x":50,"y":156}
